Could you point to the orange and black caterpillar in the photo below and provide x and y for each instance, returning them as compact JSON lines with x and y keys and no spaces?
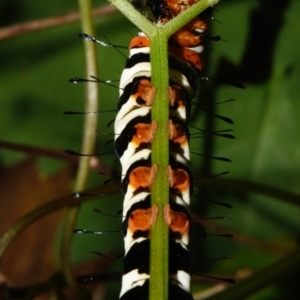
{"x":134,"y":131}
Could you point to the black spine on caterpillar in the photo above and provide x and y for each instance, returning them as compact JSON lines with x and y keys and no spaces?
{"x":134,"y":131}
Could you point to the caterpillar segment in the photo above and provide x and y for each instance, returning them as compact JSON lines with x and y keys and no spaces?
{"x":135,"y":131}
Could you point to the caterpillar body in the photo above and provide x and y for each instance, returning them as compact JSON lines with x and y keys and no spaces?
{"x":134,"y":131}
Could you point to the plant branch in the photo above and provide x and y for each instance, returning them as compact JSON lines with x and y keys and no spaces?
{"x":31,"y":26}
{"x":249,"y":187}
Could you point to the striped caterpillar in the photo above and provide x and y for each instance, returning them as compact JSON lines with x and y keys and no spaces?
{"x":134,"y":130}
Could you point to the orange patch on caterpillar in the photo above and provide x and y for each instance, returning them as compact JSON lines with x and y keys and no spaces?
{"x":190,"y":34}
{"x":186,"y":38}
{"x":177,"y":221}
{"x":142,"y":177}
{"x":175,"y":95}
{"x":175,"y":7}
{"x":145,"y":91}
{"x":178,"y":179}
{"x":197,"y":24}
{"x":142,"y":219}
{"x":188,"y":55}
{"x":144,"y":132}
{"x":176,"y":133}
{"x":139,"y":42}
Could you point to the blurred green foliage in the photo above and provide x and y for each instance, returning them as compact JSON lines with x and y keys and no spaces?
{"x":260,"y":48}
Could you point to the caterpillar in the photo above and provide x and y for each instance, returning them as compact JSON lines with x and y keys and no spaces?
{"x":134,"y":132}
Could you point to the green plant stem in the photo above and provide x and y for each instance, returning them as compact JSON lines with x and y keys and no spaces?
{"x":126,"y":8}
{"x":160,"y":156}
{"x":88,"y":143}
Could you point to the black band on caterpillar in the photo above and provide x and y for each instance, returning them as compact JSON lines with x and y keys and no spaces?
{"x":134,"y":131}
